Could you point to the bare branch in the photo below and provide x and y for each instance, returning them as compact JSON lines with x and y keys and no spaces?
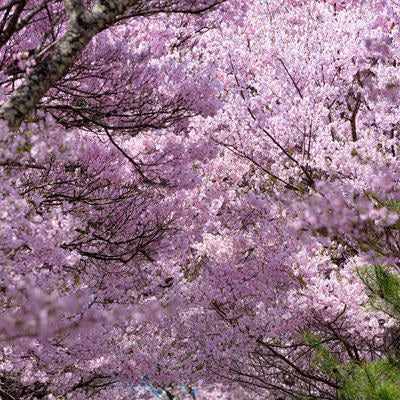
{"x":12,"y":23}
{"x":83,"y":26}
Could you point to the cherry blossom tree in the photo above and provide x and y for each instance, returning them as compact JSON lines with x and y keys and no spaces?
{"x":302,"y":200}
{"x":91,"y":92}
{"x":199,"y":193}
{"x":347,"y":213}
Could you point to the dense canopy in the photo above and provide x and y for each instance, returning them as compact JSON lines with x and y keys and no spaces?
{"x":199,"y":199}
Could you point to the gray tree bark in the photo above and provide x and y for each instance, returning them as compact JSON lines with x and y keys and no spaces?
{"x":83,"y":25}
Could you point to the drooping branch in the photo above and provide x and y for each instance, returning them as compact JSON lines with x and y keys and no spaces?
{"x":83,"y":25}
{"x":6,"y":32}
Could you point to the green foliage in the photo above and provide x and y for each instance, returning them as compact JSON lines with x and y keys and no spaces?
{"x":375,"y":380}
{"x":323,"y":359}
{"x":393,"y":205}
{"x":378,"y":380}
{"x":384,"y":286}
